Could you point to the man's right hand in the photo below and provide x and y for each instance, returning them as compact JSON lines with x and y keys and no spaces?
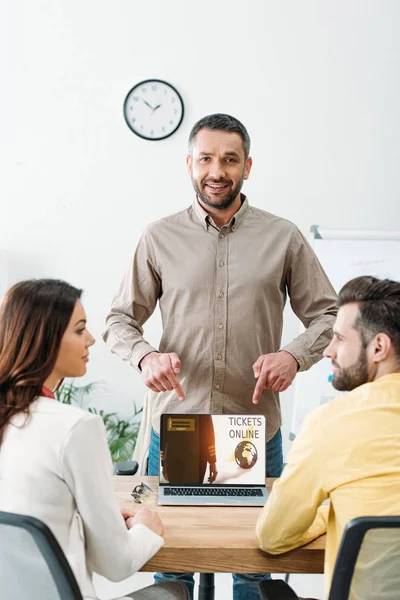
{"x":165,"y":473}
{"x":147,"y":517}
{"x":159,"y":372}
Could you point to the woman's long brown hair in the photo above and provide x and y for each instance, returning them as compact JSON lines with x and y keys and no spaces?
{"x":34,"y":315}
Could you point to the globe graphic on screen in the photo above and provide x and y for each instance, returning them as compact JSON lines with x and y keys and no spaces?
{"x":246,"y":455}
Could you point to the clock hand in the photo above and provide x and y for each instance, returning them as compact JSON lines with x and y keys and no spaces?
{"x":149,"y":105}
{"x":154,"y":109}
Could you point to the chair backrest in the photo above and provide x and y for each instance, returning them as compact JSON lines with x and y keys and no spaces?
{"x":368,"y":562}
{"x":32,"y":564}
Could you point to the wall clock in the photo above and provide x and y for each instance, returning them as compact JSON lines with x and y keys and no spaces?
{"x":153,"y":109}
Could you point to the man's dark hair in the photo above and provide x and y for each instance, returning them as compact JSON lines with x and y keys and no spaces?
{"x":379,"y":307}
{"x":221,"y":122}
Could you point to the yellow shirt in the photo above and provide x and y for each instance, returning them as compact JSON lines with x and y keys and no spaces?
{"x":348,"y":451}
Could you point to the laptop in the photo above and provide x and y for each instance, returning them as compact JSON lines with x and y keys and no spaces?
{"x":212,"y":460}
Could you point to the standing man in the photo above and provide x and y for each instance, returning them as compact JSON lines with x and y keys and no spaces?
{"x":221,"y":271}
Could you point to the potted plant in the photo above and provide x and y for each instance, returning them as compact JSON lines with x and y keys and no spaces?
{"x":121,"y":433}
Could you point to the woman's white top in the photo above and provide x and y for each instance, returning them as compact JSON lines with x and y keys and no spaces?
{"x":55,"y":465}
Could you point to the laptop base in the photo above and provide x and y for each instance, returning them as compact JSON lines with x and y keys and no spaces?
{"x":195,"y":497}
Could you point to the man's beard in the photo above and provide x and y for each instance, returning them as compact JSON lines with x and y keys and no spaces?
{"x":351,"y":377}
{"x":224,"y":202}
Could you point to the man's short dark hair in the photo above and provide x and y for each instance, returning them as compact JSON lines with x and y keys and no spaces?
{"x":221,"y":122}
{"x":379,"y":307}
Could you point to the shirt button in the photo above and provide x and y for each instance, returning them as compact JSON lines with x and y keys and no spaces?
{"x":221,"y":236}
{"x":233,"y":228}
{"x":219,"y":356}
{"x":221,"y":263}
{"x":221,"y":294}
{"x":220,"y":326}
{"x":217,"y":387}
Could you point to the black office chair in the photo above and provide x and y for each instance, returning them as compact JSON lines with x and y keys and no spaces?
{"x":33,"y":566}
{"x":367,"y":565}
{"x":126,"y":467}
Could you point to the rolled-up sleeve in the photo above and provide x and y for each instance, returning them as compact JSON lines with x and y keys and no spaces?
{"x":132,"y":306}
{"x":312,"y":299}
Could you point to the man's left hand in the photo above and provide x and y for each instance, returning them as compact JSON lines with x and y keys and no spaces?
{"x":274,"y":372}
{"x":213,"y":472}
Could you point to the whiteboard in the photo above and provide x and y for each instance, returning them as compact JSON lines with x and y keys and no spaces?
{"x":344,"y":254}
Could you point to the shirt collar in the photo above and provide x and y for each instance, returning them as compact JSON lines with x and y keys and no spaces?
{"x":47,"y":393}
{"x":206,"y":220}
{"x":389,"y":377}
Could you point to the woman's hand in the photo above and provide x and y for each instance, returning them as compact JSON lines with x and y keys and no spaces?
{"x":147,"y":517}
{"x":127,"y":514}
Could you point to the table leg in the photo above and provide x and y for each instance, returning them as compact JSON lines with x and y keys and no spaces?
{"x":206,"y":587}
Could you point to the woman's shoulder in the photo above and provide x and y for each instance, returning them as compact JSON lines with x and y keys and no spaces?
{"x":54,"y":424}
{"x":60,"y":415}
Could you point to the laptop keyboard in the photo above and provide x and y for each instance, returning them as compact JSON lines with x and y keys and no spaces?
{"x":211,"y":491}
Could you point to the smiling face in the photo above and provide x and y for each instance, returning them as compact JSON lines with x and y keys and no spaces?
{"x":351,"y":363}
{"x":218,"y":167}
{"x":73,"y":355}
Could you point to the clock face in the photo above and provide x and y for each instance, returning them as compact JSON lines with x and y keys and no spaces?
{"x":153,"y":109}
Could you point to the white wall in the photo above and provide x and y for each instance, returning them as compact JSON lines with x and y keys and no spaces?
{"x":316,"y":83}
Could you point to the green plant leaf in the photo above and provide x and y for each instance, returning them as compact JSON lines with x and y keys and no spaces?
{"x":121,"y":433}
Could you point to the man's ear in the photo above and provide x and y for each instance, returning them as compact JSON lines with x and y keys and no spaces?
{"x":247,"y":167}
{"x":189,"y":162}
{"x":380,"y":347}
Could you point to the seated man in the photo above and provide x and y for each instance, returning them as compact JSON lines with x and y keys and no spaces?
{"x":348,"y":450}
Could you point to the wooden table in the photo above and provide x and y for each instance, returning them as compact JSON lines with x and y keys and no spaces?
{"x":216,"y":539}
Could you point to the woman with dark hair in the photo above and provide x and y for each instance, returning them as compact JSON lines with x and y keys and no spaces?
{"x":54,"y":459}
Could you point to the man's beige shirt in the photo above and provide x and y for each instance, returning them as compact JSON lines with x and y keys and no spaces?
{"x":221,"y":294}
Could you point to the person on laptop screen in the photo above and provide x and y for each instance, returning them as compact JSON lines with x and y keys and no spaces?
{"x":188,"y":446}
{"x":348,"y":450}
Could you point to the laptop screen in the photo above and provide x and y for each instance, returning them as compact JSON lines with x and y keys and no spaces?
{"x":212,"y":450}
